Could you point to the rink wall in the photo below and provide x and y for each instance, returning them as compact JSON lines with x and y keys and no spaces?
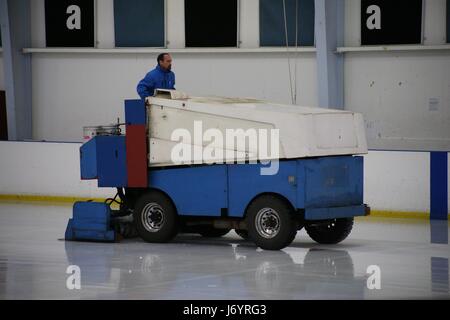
{"x":396,"y":183}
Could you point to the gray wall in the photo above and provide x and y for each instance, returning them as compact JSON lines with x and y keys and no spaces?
{"x":404,"y":96}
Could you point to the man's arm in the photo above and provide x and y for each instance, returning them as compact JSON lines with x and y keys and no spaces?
{"x":173,"y":83}
{"x":146,"y":87}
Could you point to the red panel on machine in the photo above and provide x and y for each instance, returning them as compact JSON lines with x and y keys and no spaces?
{"x":136,"y":145}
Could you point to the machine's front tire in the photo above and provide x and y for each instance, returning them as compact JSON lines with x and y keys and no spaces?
{"x":331,"y":231}
{"x":155,"y":217}
{"x":270,"y":222}
{"x":242,"y":233}
{"x":211,"y":232}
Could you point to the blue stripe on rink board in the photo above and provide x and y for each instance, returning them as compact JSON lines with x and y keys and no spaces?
{"x":439,"y":185}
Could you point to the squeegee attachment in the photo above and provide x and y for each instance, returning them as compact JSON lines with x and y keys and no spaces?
{"x":91,"y":221}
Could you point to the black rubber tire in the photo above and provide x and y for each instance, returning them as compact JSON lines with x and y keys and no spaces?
{"x":287,"y":227}
{"x":211,"y":232}
{"x":128,"y":230}
{"x":242,"y":233}
{"x":335,"y":231}
{"x":169,"y":228}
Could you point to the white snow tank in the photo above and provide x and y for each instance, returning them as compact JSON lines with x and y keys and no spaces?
{"x":303,"y":131}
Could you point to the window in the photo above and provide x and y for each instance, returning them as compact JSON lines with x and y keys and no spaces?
{"x":299,"y":20}
{"x":391,"y":22}
{"x":211,"y":23}
{"x":448,"y":21}
{"x":69,"y":23}
{"x":3,"y":117}
{"x":139,"y":23}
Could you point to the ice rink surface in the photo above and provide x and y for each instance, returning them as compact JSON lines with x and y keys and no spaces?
{"x":407,"y":258}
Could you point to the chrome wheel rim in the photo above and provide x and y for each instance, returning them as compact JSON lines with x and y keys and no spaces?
{"x":267,"y":223}
{"x":153,"y":217}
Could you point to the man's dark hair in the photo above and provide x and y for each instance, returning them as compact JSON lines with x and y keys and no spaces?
{"x":161,"y":57}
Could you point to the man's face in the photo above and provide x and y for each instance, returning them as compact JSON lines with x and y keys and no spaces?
{"x":166,"y":63}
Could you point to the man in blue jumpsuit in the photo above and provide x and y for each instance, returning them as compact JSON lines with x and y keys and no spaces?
{"x":159,"y":78}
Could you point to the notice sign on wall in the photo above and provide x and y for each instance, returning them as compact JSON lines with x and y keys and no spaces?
{"x":69,"y":23}
{"x":386,"y":22}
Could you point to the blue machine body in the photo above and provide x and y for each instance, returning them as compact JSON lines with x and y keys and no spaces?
{"x":326,"y":187}
{"x":321,"y":188}
{"x":104,"y":158}
{"x":135,"y":112}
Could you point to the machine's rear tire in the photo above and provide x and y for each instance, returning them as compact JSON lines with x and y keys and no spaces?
{"x":211,"y":232}
{"x":270,"y":222}
{"x":155,"y":217}
{"x":331,"y":231}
